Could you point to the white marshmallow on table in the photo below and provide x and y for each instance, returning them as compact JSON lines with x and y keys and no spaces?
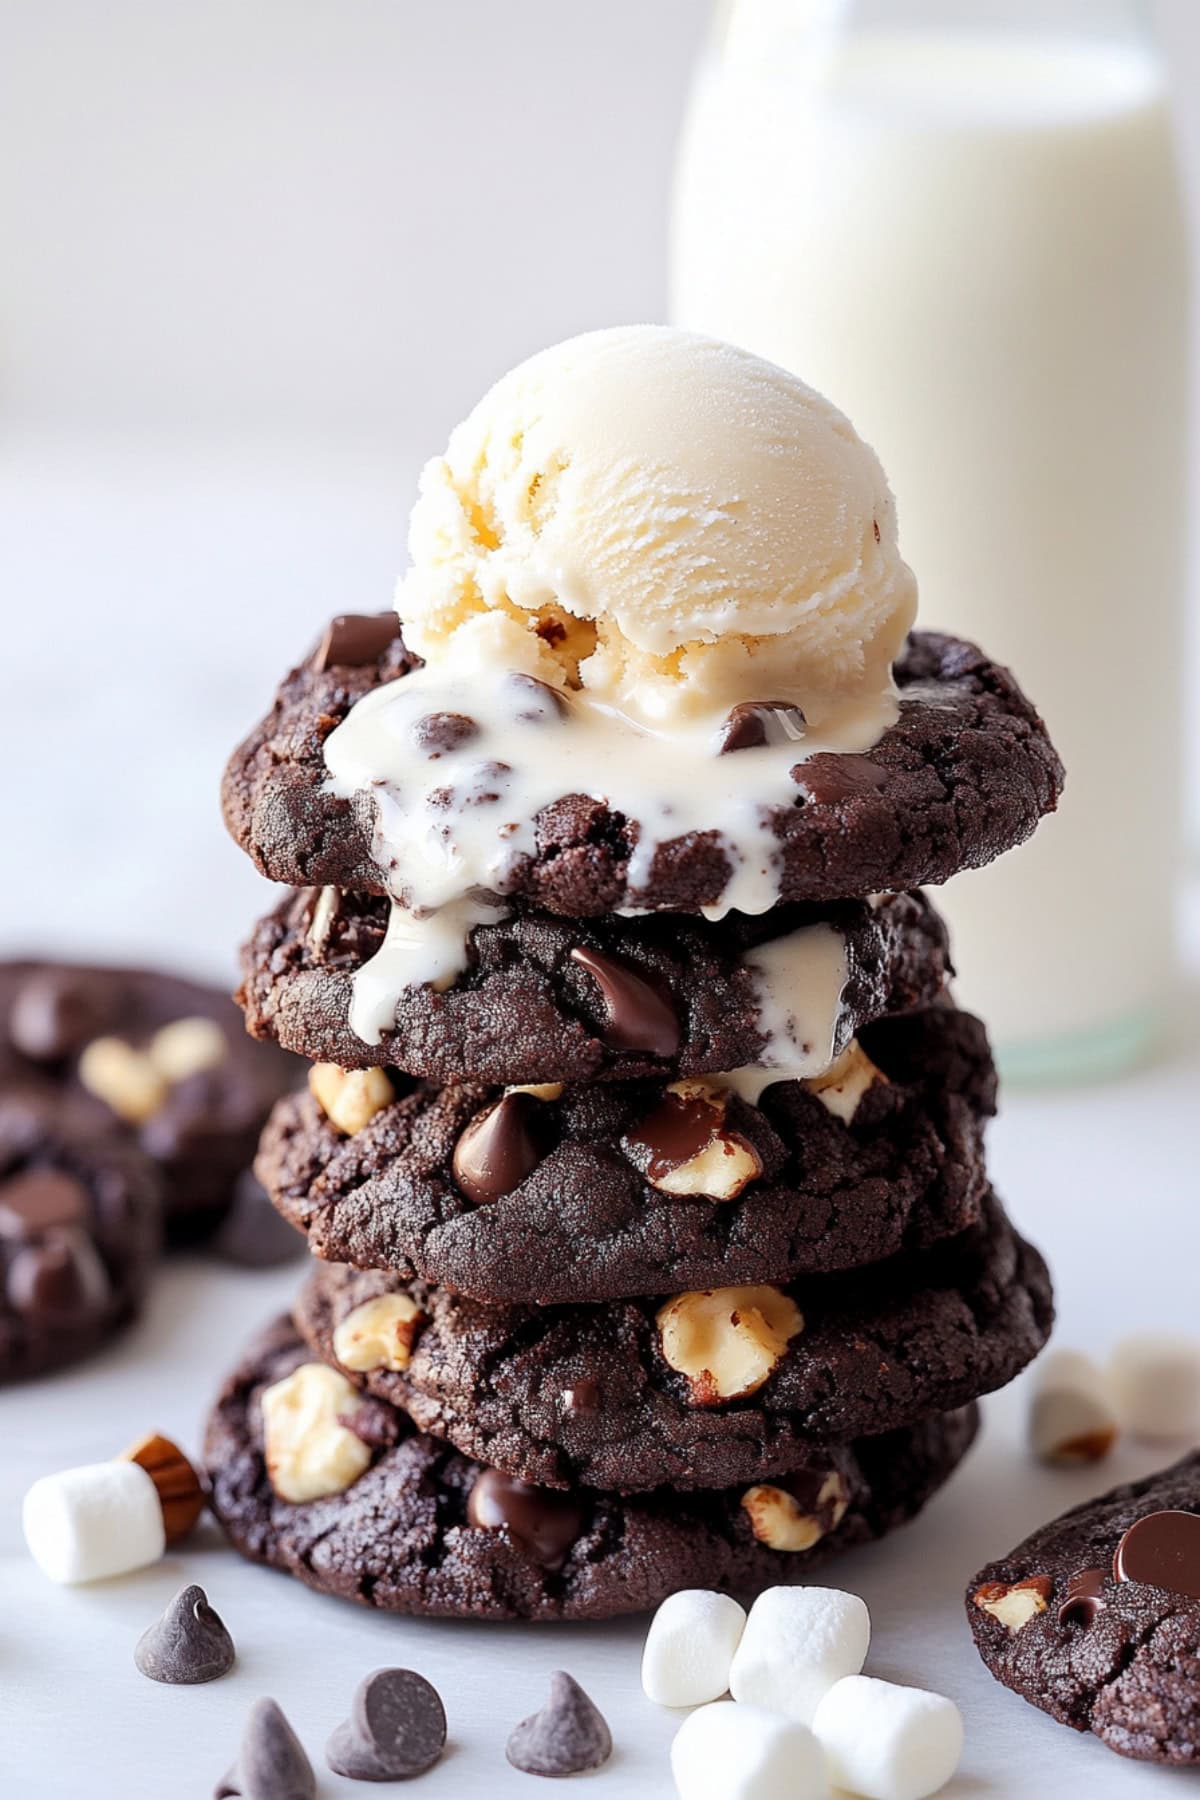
{"x":727,"y":1752}
{"x":1072,"y":1415}
{"x":798,"y":1641}
{"x":690,"y":1646}
{"x":887,"y":1742}
{"x":1155,"y":1377}
{"x":88,"y":1523}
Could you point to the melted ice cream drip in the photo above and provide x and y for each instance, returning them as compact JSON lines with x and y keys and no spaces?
{"x":460,"y":762}
{"x":800,"y":980}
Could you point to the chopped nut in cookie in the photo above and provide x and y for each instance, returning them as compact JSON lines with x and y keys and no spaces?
{"x":349,"y":1098}
{"x":1015,"y":1603}
{"x":690,"y":1148}
{"x":309,"y":1452}
{"x":124,"y":1078}
{"x":187,"y":1047}
{"x":795,"y":1522}
{"x":379,"y":1334}
{"x":845,"y":1081}
{"x":727,"y":1341}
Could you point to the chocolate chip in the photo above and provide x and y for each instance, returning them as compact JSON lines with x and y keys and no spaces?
{"x":39,"y":1199}
{"x":537,"y":703}
{"x":1083,"y":1599}
{"x":568,"y":1736}
{"x":252,"y":1234}
{"x":829,"y":778}
{"x":374,"y":1421}
{"x":438,"y":733}
{"x":396,"y":1729}
{"x":500,"y":1147}
{"x":352,"y":640}
{"x":271,"y":1763}
{"x":189,"y":1644}
{"x":639,"y":1016}
{"x":1163,"y":1550}
{"x":680,"y":1128}
{"x":543,"y":1522}
{"x":60,"y":1280}
{"x":55,"y":1013}
{"x":753,"y":723}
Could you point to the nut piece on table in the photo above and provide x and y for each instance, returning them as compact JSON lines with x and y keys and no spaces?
{"x":349,"y":1098}
{"x":187,"y":1047}
{"x":1014,"y":1603}
{"x":727,"y":1341}
{"x":692,"y":1151}
{"x":845,"y":1081}
{"x":309,"y":1452}
{"x":124,"y":1078}
{"x":792,"y":1522}
{"x":176,"y":1482}
{"x":379,"y":1334}
{"x":1072,"y":1416}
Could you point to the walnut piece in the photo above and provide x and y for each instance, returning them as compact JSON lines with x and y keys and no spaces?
{"x":186,"y":1047}
{"x":728,"y":1340}
{"x":725,"y":1165}
{"x":349,"y":1098}
{"x":309,"y":1452}
{"x":379,"y":1334}
{"x":844,"y":1082}
{"x":1014,"y":1603}
{"x":124,"y":1078}
{"x":778,"y":1520}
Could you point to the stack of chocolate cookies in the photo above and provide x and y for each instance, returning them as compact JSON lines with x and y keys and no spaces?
{"x":655,"y":1249}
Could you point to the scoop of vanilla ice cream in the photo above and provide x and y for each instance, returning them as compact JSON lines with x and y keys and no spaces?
{"x":666,"y":522}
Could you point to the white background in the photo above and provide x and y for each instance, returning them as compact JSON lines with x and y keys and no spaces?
{"x":256,"y":256}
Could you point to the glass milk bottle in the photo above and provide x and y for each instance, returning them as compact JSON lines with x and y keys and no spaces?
{"x":962,"y":222}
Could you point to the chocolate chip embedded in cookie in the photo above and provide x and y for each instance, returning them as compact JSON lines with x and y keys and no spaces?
{"x":706,"y":1388}
{"x":80,"y":1224}
{"x":162,"y":1059}
{"x":545,"y":999}
{"x":589,"y":1194}
{"x":1095,"y":1618}
{"x":401,"y":1536}
{"x":963,"y":774}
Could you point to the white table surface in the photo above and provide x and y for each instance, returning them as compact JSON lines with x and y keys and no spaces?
{"x":170,"y":595}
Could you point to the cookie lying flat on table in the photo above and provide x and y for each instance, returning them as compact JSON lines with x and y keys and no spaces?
{"x":699,"y":1389}
{"x":80,"y":1227}
{"x":1095,"y":1618}
{"x":568,"y":1201}
{"x":412,"y":1526}
{"x":963,"y":775}
{"x":545,"y":999}
{"x":168,"y":1061}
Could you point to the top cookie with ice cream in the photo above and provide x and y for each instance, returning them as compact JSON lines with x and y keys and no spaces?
{"x":657,"y":589}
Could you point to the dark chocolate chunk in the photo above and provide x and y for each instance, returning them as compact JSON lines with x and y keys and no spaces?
{"x":639,"y":1016}
{"x":753,"y":723}
{"x":438,"y":733}
{"x":500,"y":1147}
{"x":252,"y":1234}
{"x":352,"y":640}
{"x":545,"y":1524}
{"x":374,"y":1421}
{"x":271,"y":1763}
{"x":566,"y":1737}
{"x":60,"y":1280}
{"x":396,"y":1729}
{"x":826,"y":779}
{"x":38,"y":1200}
{"x":1083,"y":1599}
{"x":1163,"y":1549}
{"x":189,"y":1644}
{"x":537,"y":701}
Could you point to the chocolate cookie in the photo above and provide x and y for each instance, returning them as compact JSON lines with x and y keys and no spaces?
{"x":1096,"y":1617}
{"x":424,"y":1530}
{"x":80,"y":1223}
{"x":590,"y":1213}
{"x":964,"y":773}
{"x":544,"y":999}
{"x":167,"y":1059}
{"x":703,"y":1389}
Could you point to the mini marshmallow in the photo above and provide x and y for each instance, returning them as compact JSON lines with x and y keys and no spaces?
{"x":1072,"y":1416}
{"x":89,"y":1523}
{"x":798,"y":1641}
{"x":1155,"y":1378}
{"x":887,"y":1742}
{"x":725,"y":1752}
{"x":690,"y":1646}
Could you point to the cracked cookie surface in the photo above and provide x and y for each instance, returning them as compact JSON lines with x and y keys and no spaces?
{"x":873,"y":1351}
{"x":963,"y":775}
{"x":400,"y":1538}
